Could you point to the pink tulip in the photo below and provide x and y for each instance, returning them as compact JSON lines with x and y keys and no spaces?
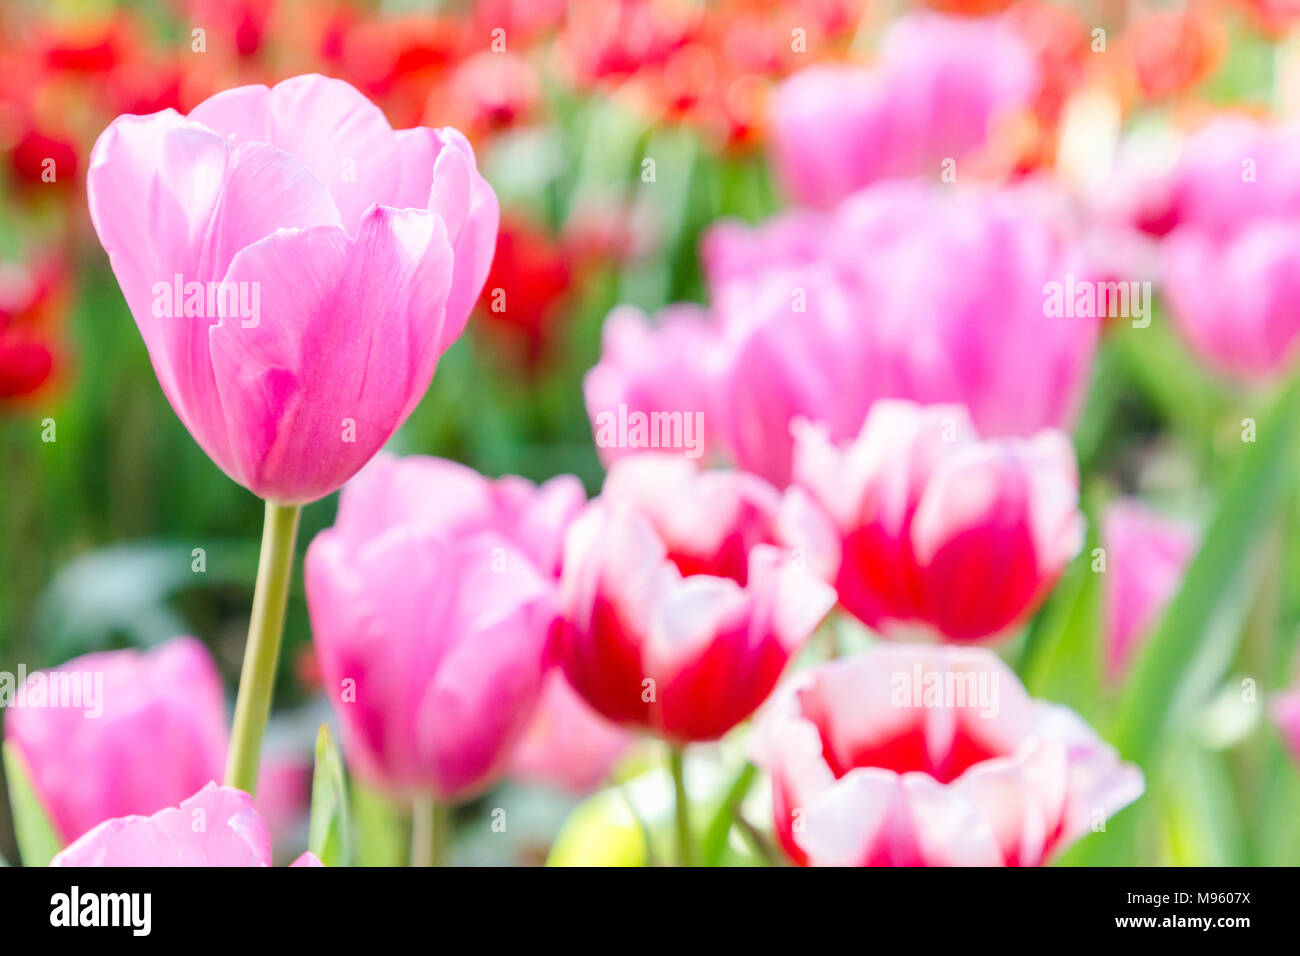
{"x":659,"y":370}
{"x":651,"y":645}
{"x":153,"y":734}
{"x":455,"y":501}
{"x":351,"y":256}
{"x":916,"y":755}
{"x":568,"y":745}
{"x":1229,"y":208}
{"x":430,"y":625}
{"x":1237,"y":300}
{"x":941,"y":85}
{"x":1233,"y":171}
{"x":1286,"y":714}
{"x":913,"y":292}
{"x":940,"y":530}
{"x":795,"y":345}
{"x":217,"y":826}
{"x":709,"y":521}
{"x":1145,"y":559}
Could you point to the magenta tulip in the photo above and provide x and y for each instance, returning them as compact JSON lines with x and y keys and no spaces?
{"x":1146,"y":555}
{"x":663,"y":629}
{"x":917,"y":755}
{"x":652,"y":388}
{"x":147,"y":730}
{"x":217,"y":826}
{"x":821,"y":328}
{"x":1228,"y":209}
{"x":941,"y":531}
{"x":430,"y":624}
{"x":939,"y":89}
{"x":295,"y":267}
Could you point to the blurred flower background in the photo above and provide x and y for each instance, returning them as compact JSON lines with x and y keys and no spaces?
{"x":763,"y":211}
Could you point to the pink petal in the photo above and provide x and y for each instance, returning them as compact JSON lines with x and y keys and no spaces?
{"x":364,"y":351}
{"x":218,"y":826}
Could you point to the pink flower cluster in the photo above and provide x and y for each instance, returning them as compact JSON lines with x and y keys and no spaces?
{"x":882,"y":376}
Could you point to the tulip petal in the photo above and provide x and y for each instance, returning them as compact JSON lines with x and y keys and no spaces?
{"x":218,"y":826}
{"x":364,"y":351}
{"x":329,"y":126}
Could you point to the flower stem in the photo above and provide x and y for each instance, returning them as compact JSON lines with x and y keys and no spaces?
{"x":430,"y":831}
{"x":715,"y":840}
{"x":676,"y":762}
{"x":262,"y":652}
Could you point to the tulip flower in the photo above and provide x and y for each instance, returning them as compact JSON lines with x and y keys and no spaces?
{"x":1235,"y":300}
{"x":217,"y":826}
{"x":452,"y":500}
{"x":296,"y":272}
{"x":940,"y":87}
{"x":32,"y":302}
{"x":652,"y":634}
{"x":918,"y":755}
{"x":431,"y":602}
{"x":145,"y":730}
{"x":680,"y":620}
{"x":1146,"y":556}
{"x":652,"y":388}
{"x":939,"y":530}
{"x":1227,"y":206}
{"x":813,"y":327}
{"x":299,"y":273}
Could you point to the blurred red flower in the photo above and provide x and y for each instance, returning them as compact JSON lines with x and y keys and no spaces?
{"x":530,"y":273}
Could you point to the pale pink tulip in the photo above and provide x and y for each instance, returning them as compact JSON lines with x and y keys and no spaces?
{"x":1237,"y":300}
{"x":913,"y":292}
{"x":660,"y":371}
{"x":154,"y":733}
{"x":795,"y":345}
{"x":1229,"y":209}
{"x":351,"y":254}
{"x":939,"y":530}
{"x":431,"y":626}
{"x":455,"y":501}
{"x":918,"y":755}
{"x":1146,"y":555}
{"x":651,"y":645}
{"x":217,"y":826}
{"x":939,"y":89}
{"x":568,"y":745}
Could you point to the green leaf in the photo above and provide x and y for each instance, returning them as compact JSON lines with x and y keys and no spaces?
{"x":38,"y":841}
{"x":1202,"y":623}
{"x":1201,"y":630}
{"x":382,"y":838}
{"x":330,"y":834}
{"x":1062,"y":660}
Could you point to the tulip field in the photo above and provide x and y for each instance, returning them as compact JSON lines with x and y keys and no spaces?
{"x":649,"y":433}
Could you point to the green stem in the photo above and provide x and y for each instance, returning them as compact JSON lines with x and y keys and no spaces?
{"x":715,"y":840}
{"x":430,"y":831}
{"x":676,"y":762}
{"x":262,"y":652}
